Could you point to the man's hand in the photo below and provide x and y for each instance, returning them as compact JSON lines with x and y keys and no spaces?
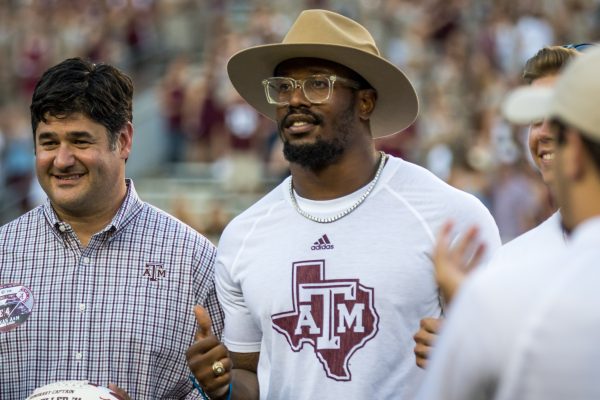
{"x":425,"y":338}
{"x":203,"y":353}
{"x":453,"y":264}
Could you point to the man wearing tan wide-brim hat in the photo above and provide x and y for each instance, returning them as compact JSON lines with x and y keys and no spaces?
{"x":324,"y":280}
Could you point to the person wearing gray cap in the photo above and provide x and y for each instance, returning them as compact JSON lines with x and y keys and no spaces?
{"x":540,"y":70}
{"x":550,"y":305}
{"x":325,"y":279}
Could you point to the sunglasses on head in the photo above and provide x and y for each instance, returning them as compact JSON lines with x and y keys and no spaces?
{"x":579,"y":46}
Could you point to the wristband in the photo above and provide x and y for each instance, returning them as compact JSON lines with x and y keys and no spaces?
{"x":203,"y":393}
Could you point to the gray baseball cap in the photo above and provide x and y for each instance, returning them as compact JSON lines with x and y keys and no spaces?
{"x":574,"y":98}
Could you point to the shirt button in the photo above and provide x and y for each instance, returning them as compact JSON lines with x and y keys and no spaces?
{"x":78,"y":356}
{"x":82,"y":307}
{"x":86,"y":260}
{"x":62,"y":228}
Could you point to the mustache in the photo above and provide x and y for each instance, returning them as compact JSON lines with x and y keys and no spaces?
{"x":316,"y":119}
{"x":70,"y":170}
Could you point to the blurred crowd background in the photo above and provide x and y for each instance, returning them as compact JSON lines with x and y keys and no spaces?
{"x":204,"y":155}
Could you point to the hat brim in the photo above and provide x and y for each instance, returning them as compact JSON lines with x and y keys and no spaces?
{"x":526,"y":105}
{"x":397,"y":104}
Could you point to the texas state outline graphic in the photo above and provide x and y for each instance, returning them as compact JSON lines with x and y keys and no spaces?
{"x":336,"y":317}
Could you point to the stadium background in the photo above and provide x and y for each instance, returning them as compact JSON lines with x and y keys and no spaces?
{"x":203,"y":155}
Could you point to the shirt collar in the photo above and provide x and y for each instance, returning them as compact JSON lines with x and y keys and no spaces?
{"x":128,"y":210}
{"x":126,"y":213}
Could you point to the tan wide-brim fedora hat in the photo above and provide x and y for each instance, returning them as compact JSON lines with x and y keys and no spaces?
{"x":573,"y":98}
{"x":333,"y":37}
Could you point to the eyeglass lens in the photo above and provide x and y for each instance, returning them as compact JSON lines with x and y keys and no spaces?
{"x":316,"y":88}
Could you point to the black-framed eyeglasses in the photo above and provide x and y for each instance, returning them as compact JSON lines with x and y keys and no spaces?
{"x":316,"y":88}
{"x":579,"y":46}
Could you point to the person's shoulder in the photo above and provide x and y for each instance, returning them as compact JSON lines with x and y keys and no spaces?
{"x":545,"y":238}
{"x":526,"y":260}
{"x":437,"y":202}
{"x":436,"y":198}
{"x":24,"y":221}
{"x":262,"y":206}
{"x":408,"y":171}
{"x":160,"y":221}
{"x":257,"y":213}
{"x":12,"y":231}
{"x":414,"y":180}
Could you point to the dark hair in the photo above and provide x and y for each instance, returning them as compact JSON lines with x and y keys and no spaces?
{"x":591,"y":146}
{"x":547,"y":61}
{"x":99,"y":91}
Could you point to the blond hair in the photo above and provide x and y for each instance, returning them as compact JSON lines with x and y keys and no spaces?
{"x":547,"y":61}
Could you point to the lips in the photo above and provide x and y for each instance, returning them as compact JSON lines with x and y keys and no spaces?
{"x":546,"y":153}
{"x":69,"y":177}
{"x":297,"y":123}
{"x":292,"y":120}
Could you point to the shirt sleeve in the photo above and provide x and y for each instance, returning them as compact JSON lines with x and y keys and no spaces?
{"x":193,"y":395}
{"x":206,"y":294}
{"x":241,"y":333}
{"x":473,"y":213}
{"x":215,"y":311}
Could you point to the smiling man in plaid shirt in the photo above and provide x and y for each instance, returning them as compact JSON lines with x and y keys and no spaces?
{"x":95,"y":283}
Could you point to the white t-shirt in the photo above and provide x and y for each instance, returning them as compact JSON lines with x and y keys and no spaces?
{"x":332,"y":308}
{"x":483,"y":324}
{"x":557,"y":354}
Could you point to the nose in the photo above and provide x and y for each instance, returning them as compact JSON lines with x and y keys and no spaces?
{"x":297,"y":96}
{"x":64,"y":157}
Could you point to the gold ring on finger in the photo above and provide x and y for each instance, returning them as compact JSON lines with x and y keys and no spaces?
{"x":218,"y":368}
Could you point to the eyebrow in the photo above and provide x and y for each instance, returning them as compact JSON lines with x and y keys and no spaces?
{"x":70,"y":135}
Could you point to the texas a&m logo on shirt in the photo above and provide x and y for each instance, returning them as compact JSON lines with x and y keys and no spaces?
{"x":154,"y":271}
{"x":337,"y":317}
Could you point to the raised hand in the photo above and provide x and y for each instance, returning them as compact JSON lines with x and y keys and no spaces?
{"x":208,"y":359}
{"x":453,"y":264}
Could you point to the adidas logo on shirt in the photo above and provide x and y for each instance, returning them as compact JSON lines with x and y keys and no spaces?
{"x":322,"y":244}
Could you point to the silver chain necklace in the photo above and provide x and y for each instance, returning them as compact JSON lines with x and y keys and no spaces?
{"x":342,"y":214}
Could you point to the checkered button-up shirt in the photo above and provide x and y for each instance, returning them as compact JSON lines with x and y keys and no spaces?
{"x":117,"y":311}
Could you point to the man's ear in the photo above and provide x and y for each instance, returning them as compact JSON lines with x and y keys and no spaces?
{"x":125,"y":140}
{"x":367,"y":99}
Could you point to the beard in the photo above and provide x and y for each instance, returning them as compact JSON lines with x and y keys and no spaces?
{"x":314,"y":156}
{"x":322,"y":153}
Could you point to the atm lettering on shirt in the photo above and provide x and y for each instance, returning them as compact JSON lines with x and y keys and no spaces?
{"x":336,"y":317}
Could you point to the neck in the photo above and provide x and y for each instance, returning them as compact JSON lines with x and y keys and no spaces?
{"x":584,"y":204}
{"x":580,"y":200}
{"x":87,"y":225}
{"x":352,"y":171}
